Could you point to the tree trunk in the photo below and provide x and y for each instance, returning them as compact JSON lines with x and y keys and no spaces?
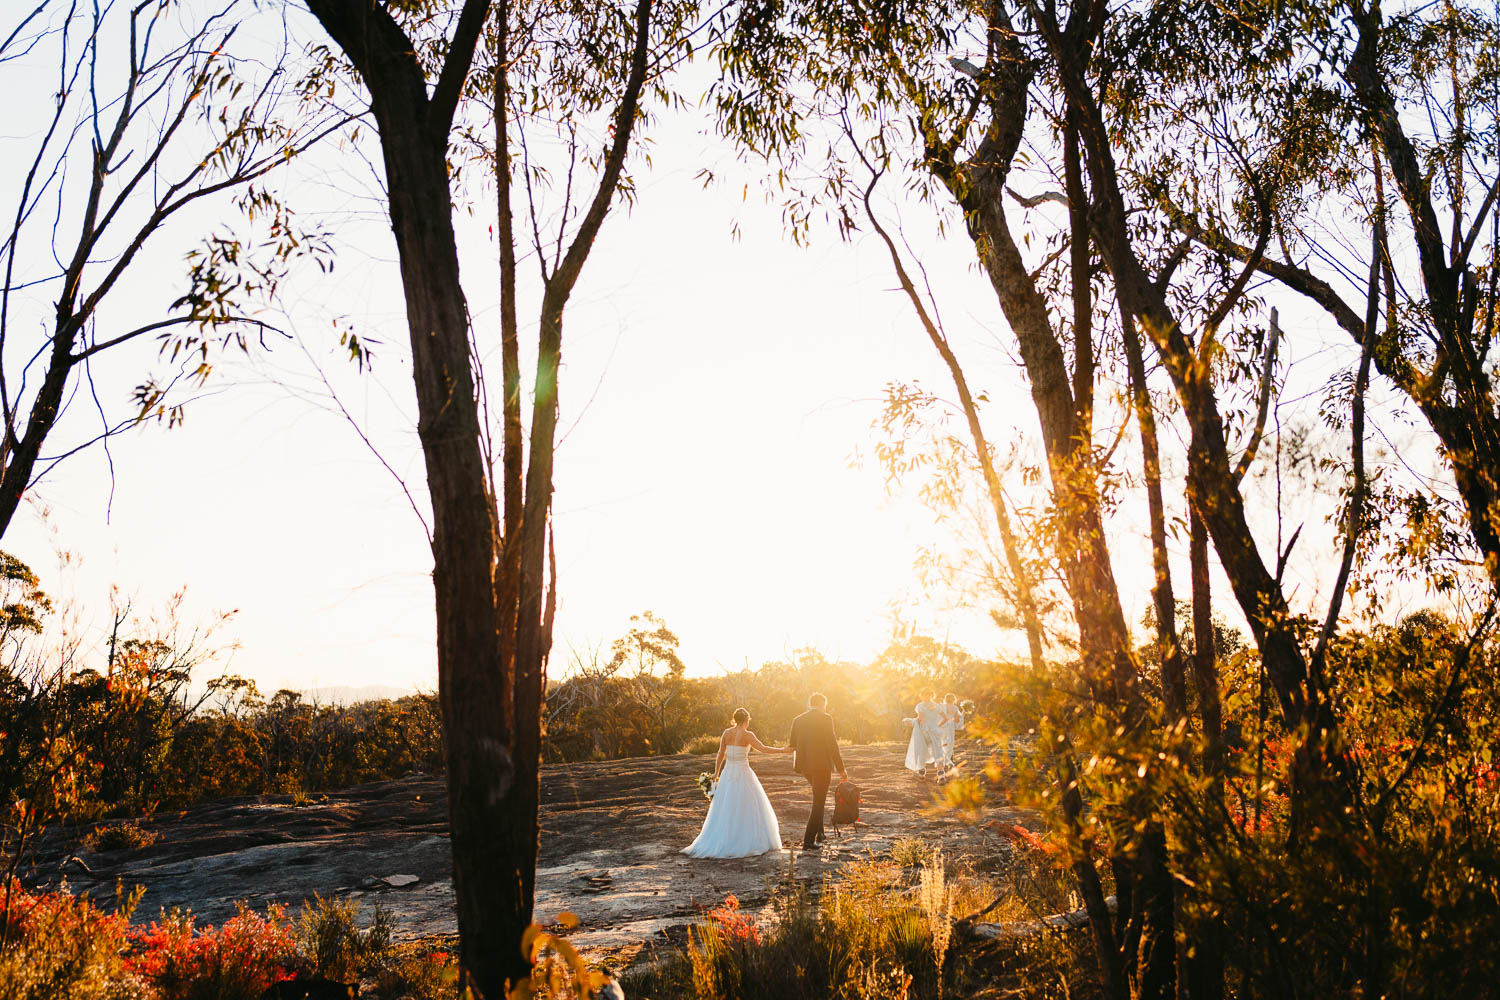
{"x":492,"y":777}
{"x":1319,"y":772}
{"x":1173,"y":674}
{"x":1205,"y":969}
{"x":1062,"y":403}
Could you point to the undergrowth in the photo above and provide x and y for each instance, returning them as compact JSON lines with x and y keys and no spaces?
{"x":876,"y":931}
{"x":57,"y":945}
{"x":121,"y":837}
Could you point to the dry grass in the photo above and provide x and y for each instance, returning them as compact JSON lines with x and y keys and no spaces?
{"x":121,"y":837}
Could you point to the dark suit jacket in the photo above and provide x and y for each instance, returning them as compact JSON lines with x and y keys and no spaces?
{"x":817,"y":748}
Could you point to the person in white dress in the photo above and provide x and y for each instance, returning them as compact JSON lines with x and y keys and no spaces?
{"x":953,"y":720}
{"x":925,"y":748}
{"x":740,"y":821}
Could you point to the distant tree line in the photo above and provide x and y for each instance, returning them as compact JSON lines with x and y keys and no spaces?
{"x":636,"y":699}
{"x":127,"y":730}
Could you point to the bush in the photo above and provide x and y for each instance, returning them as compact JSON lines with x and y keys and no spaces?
{"x":58,"y":945}
{"x":909,"y":852}
{"x":240,"y":961}
{"x":121,"y":837}
{"x":417,"y":975}
{"x":860,"y":939}
{"x":856,"y":934}
{"x":871,"y":935}
{"x":702,"y":745}
{"x":329,"y":936}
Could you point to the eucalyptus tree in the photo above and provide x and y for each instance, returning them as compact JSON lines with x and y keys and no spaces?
{"x":1248,"y":117}
{"x":954,"y":127}
{"x":961,"y":93}
{"x":1397,"y":116}
{"x":151,"y":113}
{"x":567,"y":66}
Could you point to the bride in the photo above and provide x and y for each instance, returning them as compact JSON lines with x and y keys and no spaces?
{"x":740,"y":820}
{"x":926,"y":747}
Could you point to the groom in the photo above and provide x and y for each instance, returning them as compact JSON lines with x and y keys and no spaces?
{"x":817,"y":757}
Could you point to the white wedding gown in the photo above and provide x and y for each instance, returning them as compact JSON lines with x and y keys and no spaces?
{"x":740,"y":821}
{"x":926,"y":748}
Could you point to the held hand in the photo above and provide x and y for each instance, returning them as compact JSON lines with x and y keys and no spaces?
{"x":843,"y":775}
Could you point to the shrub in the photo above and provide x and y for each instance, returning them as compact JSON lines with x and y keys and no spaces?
{"x":121,"y":837}
{"x":702,"y":745}
{"x":859,"y":939}
{"x":911,"y":852}
{"x":329,"y":937}
{"x":61,"y":947}
{"x":58,"y":945}
{"x":417,"y":975}
{"x":862,"y":939}
{"x":240,"y":961}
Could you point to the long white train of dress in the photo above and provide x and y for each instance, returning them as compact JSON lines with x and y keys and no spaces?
{"x":740,"y":821}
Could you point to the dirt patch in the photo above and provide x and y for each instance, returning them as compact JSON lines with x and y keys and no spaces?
{"x":611,"y":833}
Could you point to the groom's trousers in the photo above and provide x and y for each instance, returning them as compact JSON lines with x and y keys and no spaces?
{"x":819,"y":781}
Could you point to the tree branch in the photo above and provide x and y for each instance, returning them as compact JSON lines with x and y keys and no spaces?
{"x":1263,"y":402}
{"x":450,"y":85}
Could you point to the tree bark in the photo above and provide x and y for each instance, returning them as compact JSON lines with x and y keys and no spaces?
{"x":978,"y":185}
{"x":1205,"y":969}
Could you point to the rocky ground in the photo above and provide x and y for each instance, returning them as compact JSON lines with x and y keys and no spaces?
{"x":609,"y":848}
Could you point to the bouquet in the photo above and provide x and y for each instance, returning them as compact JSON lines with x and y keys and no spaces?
{"x":706,"y":784}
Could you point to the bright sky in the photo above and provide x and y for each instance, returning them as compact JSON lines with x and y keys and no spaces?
{"x":715,"y":395}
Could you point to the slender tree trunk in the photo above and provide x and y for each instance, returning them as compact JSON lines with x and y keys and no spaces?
{"x":1173,"y":675}
{"x":492,"y":775}
{"x":1205,"y":969}
{"x":1112,"y":970}
{"x":21,"y":456}
{"x":507,"y":568}
{"x":1205,"y":669}
{"x":1322,"y":776}
{"x":1025,"y":592}
{"x":1063,"y":403}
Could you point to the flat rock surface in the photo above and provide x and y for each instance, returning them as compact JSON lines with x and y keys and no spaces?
{"x":611,"y":835}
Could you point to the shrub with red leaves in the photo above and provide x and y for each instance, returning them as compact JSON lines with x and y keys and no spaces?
{"x":59,"y":945}
{"x":239,"y":961}
{"x":734,"y":926}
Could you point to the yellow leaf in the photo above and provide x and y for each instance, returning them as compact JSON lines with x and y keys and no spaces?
{"x":533,"y":940}
{"x":566,"y":920}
